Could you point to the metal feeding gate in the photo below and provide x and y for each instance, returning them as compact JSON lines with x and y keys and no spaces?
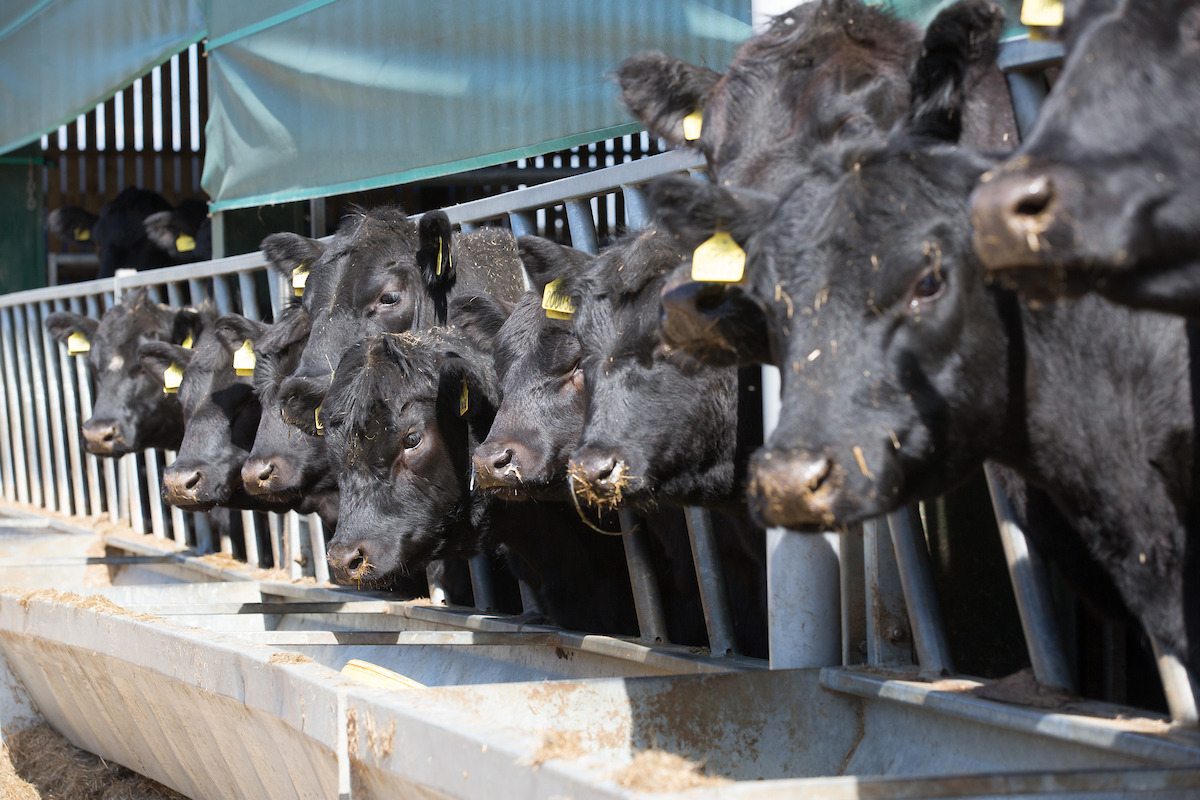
{"x":331,"y":691}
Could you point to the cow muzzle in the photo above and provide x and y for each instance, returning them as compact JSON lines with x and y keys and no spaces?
{"x":104,"y":438}
{"x":182,"y":487}
{"x":1022,"y":218}
{"x":794,"y":490}
{"x":602,"y":478}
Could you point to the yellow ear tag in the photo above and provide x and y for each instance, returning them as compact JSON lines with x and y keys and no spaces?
{"x":187,"y":343}
{"x":1042,"y":13}
{"x":244,"y":359}
{"x":719,"y":260}
{"x":299,"y":278}
{"x":317,"y":417}
{"x":438,"y":268}
{"x":557,"y":303}
{"x":83,"y":234}
{"x":172,"y":378}
{"x":77,"y":344}
{"x":463,"y":406}
{"x":184,"y":243}
{"x":692,"y":124}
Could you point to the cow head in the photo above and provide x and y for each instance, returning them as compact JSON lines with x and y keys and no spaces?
{"x":382,"y":273}
{"x":541,"y":382}
{"x":1105,"y":192}
{"x":820,"y":71}
{"x":402,"y":417}
{"x":130,"y":411}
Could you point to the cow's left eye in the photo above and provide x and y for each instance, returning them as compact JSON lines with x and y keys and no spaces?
{"x":412,"y":441}
{"x":928,"y":287}
{"x":390,"y":298}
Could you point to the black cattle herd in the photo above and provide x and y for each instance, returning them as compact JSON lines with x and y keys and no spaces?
{"x":934,"y":292}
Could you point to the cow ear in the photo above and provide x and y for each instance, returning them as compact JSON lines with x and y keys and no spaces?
{"x":232,"y":331}
{"x":693,"y":210}
{"x":186,"y":327}
{"x":961,"y":40}
{"x":157,"y":357}
{"x":661,"y":91}
{"x":479,"y":317}
{"x":290,"y":252}
{"x":467,"y":386}
{"x":178,"y":234}
{"x":71,"y":223}
{"x":546,"y":261}
{"x":434,"y":256}
{"x":302,"y":402}
{"x":63,"y":324}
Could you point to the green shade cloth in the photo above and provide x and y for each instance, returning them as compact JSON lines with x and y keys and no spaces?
{"x":363,"y":93}
{"x":60,"y":58}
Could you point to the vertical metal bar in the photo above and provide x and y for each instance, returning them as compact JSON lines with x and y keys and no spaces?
{"x":204,"y":533}
{"x":6,"y":446}
{"x":154,"y":294}
{"x":198,"y":291}
{"x":851,"y":545}
{"x":174,"y":296}
{"x":249,"y":291}
{"x":294,"y":568}
{"x":306,"y":551}
{"x":1028,"y":92}
{"x":523,"y":223}
{"x":50,"y":356}
{"x":316,"y":217}
{"x":803,"y":579}
{"x":70,"y":423}
{"x":178,"y":527}
{"x":438,"y":595}
{"x":275,"y":523}
{"x":218,"y":238}
{"x":222,"y":294}
{"x":316,"y":534}
{"x":154,"y":494}
{"x":91,"y":463}
{"x":20,"y":469}
{"x":529,"y":600}
{"x":250,"y":533}
{"x":481,"y":583}
{"x":647,"y":599}
{"x":889,"y":633}
{"x":122,"y":505}
{"x":916,"y":576}
{"x":467,"y":227}
{"x":134,"y":493}
{"x":582,"y":226}
{"x":637,"y":212}
{"x":710,"y":575}
{"x":1178,"y":685}
{"x":28,"y":414}
{"x":1032,"y":590}
{"x":278,"y":291}
{"x":32,"y":346}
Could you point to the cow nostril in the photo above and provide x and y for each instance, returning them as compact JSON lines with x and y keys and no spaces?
{"x":193,"y":481}
{"x":1035,"y":198}
{"x":816,"y":473}
{"x":503,"y":459}
{"x":265,"y":473}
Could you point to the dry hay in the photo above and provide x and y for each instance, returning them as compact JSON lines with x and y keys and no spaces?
{"x":94,"y":602}
{"x":1022,"y":689}
{"x":221,"y":561}
{"x":660,"y":771}
{"x":39,"y":764}
{"x":619,"y":481}
{"x":290,"y":658}
{"x":564,"y":745}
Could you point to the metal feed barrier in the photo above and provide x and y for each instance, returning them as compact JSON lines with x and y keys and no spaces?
{"x":874,"y":588}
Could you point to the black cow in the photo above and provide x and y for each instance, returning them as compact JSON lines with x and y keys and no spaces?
{"x":383,"y":273}
{"x":130,"y":411}
{"x":119,"y":231}
{"x":824,"y":72}
{"x":653,"y":426}
{"x":221,"y":414}
{"x":903,"y":369}
{"x":1105,"y":193}
{"x":184,"y":233}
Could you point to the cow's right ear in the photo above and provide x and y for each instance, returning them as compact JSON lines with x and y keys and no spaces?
{"x":434,"y":256}
{"x":290,"y":252}
{"x":71,"y":223}
{"x":232,"y":331}
{"x":546,"y":261}
{"x":693,"y":210}
{"x":157,"y":357}
{"x":479,"y":316}
{"x":962,"y":40}
{"x":301,"y":400}
{"x":661,"y":91}
{"x":186,"y":326}
{"x":63,"y":324}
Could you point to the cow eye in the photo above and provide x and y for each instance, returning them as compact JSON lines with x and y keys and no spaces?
{"x":412,"y":440}
{"x":928,"y":287}
{"x":390,"y":298}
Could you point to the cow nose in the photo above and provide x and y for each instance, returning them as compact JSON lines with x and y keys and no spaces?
{"x":257,"y":474}
{"x":182,"y":484}
{"x":496,"y":464}
{"x":1010,"y":214}
{"x":794,"y":490}
{"x":600,"y":476}
{"x":101,"y":437}
{"x":351,"y":559}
